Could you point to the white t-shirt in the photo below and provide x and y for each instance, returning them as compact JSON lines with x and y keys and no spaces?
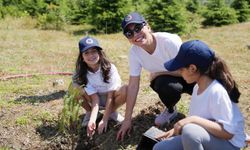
{"x":215,"y":104}
{"x":97,"y":85}
{"x":167,"y":47}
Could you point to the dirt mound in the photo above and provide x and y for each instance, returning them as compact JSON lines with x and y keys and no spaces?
{"x":107,"y":140}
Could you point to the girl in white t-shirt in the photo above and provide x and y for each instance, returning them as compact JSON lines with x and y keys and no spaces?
{"x":101,"y":85}
{"x":215,"y":121}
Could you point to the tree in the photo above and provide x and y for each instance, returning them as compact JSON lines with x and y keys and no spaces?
{"x":79,"y":11}
{"x":33,"y":7}
{"x":106,"y":16}
{"x":193,"y":6}
{"x":168,"y":15}
{"x":139,"y":6}
{"x":242,"y":8}
{"x":218,"y":14}
{"x":10,"y":7}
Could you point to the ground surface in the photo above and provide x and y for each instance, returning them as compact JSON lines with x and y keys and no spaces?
{"x":29,"y":107}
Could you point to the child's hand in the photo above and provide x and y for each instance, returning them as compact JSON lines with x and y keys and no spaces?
{"x":181,"y":123}
{"x":91,"y":129}
{"x":165,"y":135}
{"x":102,"y":126}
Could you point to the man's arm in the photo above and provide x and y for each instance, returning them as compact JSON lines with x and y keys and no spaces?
{"x":132,"y":92}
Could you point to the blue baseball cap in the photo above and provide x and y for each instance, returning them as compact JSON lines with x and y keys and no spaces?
{"x":133,"y":17}
{"x":191,"y":52}
{"x":88,"y":42}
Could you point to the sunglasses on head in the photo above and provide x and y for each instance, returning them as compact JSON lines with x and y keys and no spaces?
{"x":129,"y":33}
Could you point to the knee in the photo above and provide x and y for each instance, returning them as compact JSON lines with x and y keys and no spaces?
{"x":189,"y":133}
{"x":169,"y":87}
{"x":123,"y":91}
{"x":80,"y":94}
{"x":158,"y":146}
{"x":158,"y":84}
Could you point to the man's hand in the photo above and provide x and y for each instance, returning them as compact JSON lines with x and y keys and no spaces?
{"x":125,"y":128}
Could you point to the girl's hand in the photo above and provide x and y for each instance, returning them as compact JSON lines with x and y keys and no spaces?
{"x":91,"y":129}
{"x":165,"y":135}
{"x":180,"y":124}
{"x":102,"y":127}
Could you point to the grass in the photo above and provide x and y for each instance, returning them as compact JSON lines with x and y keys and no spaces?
{"x":24,"y":49}
{"x":23,"y":120}
{"x":4,"y":148}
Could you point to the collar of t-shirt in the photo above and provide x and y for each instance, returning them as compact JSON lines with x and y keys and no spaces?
{"x":99,"y":69}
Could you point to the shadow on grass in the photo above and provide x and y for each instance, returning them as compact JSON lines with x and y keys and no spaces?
{"x":47,"y":130}
{"x":41,"y":98}
{"x":52,"y":138}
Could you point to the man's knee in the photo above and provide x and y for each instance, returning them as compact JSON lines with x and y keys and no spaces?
{"x":166,"y":85}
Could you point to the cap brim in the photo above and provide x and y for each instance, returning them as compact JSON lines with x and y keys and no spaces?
{"x":132,"y":22}
{"x":173,"y":65}
{"x":90,"y":46}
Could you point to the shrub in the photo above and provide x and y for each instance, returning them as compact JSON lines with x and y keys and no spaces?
{"x":242,"y":8}
{"x":51,"y":20}
{"x":106,"y":16}
{"x":11,"y":11}
{"x":193,"y":6}
{"x":169,"y":16}
{"x":79,"y":11}
{"x":218,"y":14}
{"x":33,"y":7}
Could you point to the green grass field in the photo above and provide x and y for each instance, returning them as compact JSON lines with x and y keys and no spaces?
{"x":27,"y":103}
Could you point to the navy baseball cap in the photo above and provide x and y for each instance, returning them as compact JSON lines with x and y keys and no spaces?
{"x":191,"y":52}
{"x":133,"y":17}
{"x":88,"y":42}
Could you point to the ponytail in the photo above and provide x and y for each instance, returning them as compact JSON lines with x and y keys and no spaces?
{"x":218,"y":70}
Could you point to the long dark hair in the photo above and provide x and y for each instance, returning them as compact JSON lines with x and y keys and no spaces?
{"x":218,"y":70}
{"x":82,"y":68}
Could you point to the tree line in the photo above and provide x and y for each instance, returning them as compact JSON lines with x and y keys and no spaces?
{"x":105,"y":16}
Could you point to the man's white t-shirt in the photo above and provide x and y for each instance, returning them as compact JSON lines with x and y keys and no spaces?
{"x":167,"y":47}
{"x":215,"y":104}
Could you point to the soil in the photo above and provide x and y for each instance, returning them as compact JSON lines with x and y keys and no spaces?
{"x":46,"y":135}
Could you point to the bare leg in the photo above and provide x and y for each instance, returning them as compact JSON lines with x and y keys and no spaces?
{"x":85,"y":103}
{"x":84,"y":96}
{"x":119,"y":97}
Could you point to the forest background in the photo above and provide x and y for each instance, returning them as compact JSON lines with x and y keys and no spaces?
{"x":105,"y":16}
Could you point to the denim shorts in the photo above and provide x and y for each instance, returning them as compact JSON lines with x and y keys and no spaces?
{"x":102,"y":102}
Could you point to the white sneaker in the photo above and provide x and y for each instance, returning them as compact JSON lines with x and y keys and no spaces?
{"x":165,"y":117}
{"x":86,"y":119}
{"x":116,"y":117}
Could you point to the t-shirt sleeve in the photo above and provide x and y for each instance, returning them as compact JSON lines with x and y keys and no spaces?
{"x":89,"y":89}
{"x":115,"y":80}
{"x":134,"y":64}
{"x":222,"y":110}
